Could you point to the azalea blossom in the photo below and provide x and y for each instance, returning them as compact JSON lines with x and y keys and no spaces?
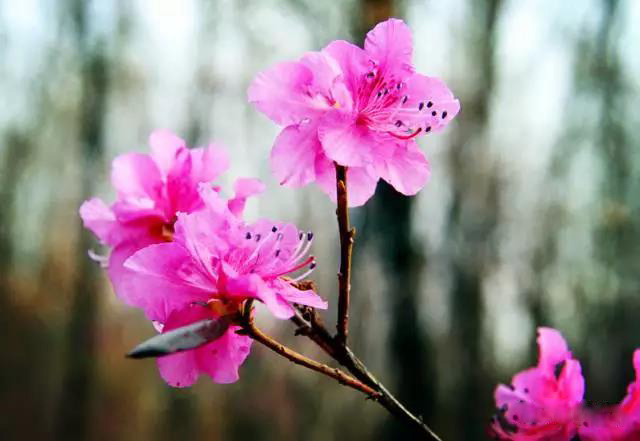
{"x":215,"y":262}
{"x":151,"y":189}
{"x":545,"y":403}
{"x":362,"y":108}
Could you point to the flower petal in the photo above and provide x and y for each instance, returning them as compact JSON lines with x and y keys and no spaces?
{"x":294,"y":153}
{"x":159,"y":279}
{"x":294,"y":295}
{"x":281,"y":93}
{"x":354,"y":63}
{"x":164,"y":146}
{"x":222,"y":358}
{"x":407,"y":170}
{"x":253,"y":286}
{"x":361,"y":184}
{"x":345,"y":141}
{"x":244,"y":188}
{"x":390,"y":44}
{"x":98,"y":218}
{"x":208,"y":163}
{"x":136,"y":175}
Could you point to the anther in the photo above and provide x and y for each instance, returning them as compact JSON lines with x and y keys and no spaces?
{"x":398,"y":123}
{"x":429,"y":104}
{"x":274,"y":229}
{"x":444,"y":114}
{"x":309,"y":235}
{"x":404,"y":99}
{"x":258,"y":236}
{"x":300,"y":236}
{"x":434,"y":113}
{"x":427,"y":129}
{"x":248,"y":236}
{"x":277,"y":253}
{"x":421,"y":105}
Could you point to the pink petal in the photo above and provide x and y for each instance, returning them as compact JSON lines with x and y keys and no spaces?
{"x":136,"y":175}
{"x":390,"y":44}
{"x":159,"y":279}
{"x":221,"y":359}
{"x":353,"y":61}
{"x":164,"y":146}
{"x":430,"y":103}
{"x":181,"y":369}
{"x":407,"y":170}
{"x":252,"y":286}
{"x":294,"y":295}
{"x":281,"y":93}
{"x":553,"y":348}
{"x":294,"y":153}
{"x":244,"y":188}
{"x":361,"y":184}
{"x":98,"y":218}
{"x":345,"y":141}
{"x":182,"y":192}
{"x":208,"y":163}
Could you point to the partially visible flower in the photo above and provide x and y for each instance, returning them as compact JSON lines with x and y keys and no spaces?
{"x":215,"y":262}
{"x":542,"y":402}
{"x":545,"y":403}
{"x":361,"y":108}
{"x":151,"y":189}
{"x":620,"y":422}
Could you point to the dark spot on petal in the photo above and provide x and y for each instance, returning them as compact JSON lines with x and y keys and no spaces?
{"x":557,"y":370}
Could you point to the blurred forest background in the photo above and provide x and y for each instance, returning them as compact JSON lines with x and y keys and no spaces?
{"x":532,"y":215}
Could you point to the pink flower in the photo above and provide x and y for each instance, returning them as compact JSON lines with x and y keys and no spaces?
{"x":545,"y":403}
{"x":214,"y":263}
{"x":151,"y":190}
{"x":361,"y":108}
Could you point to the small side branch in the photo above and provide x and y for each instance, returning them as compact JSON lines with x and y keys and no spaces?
{"x":250,"y":329}
{"x":347,"y":235}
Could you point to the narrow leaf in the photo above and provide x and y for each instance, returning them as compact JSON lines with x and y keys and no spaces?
{"x":181,"y":339}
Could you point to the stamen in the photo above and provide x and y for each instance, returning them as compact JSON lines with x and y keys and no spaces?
{"x":301,"y":265}
{"x":429,"y":104}
{"x":421,"y":105}
{"x":248,"y":236}
{"x":434,"y":113}
{"x":306,"y":273}
{"x":444,"y":114}
{"x":274,"y":229}
{"x":413,"y":135}
{"x":427,"y":130}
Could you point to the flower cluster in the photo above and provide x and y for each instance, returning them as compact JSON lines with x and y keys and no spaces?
{"x":182,"y":253}
{"x":545,"y":403}
{"x":185,"y":256}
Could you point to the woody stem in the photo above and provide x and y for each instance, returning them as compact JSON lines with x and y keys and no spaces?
{"x":249,"y":327}
{"x":347,"y":235}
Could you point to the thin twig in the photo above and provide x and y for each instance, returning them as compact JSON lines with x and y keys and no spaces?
{"x":250,"y":328}
{"x":310,"y":325}
{"x":346,"y":249}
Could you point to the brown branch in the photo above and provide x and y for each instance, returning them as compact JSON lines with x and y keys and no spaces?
{"x":310,"y":324}
{"x":250,"y":328}
{"x":346,"y":249}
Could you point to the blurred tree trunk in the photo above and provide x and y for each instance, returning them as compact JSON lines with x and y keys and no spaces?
{"x":618,"y":232}
{"x":388,"y":231}
{"x":473,"y":218}
{"x":74,"y":411}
